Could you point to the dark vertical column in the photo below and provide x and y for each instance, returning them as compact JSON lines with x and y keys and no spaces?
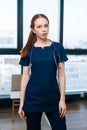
{"x":61,"y":20}
{"x":19,"y":24}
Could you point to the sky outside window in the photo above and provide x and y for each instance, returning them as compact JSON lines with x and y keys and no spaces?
{"x":75,"y":24}
{"x":8,"y":23}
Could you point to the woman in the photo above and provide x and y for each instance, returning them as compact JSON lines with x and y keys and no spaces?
{"x":40,"y":91}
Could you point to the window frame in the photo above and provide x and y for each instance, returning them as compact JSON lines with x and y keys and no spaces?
{"x":68,"y":51}
{"x":10,"y":51}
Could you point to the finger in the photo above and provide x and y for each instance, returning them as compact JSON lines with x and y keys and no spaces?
{"x":60,"y":109}
{"x":22,"y":115}
{"x":63,"y":112}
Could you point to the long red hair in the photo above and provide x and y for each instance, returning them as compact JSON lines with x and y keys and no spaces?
{"x":32,"y":37}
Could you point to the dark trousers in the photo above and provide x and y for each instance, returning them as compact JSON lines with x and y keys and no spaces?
{"x":34,"y":120}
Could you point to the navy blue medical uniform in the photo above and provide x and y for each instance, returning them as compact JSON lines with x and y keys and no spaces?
{"x":42,"y":91}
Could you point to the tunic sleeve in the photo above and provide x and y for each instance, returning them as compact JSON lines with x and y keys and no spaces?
{"x":63,"y":56}
{"x":60,"y":53}
{"x":24,"y":61}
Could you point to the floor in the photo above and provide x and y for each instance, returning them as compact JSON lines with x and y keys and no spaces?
{"x":76,"y":118}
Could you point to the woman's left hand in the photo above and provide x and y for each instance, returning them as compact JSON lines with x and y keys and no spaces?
{"x":62,"y":108}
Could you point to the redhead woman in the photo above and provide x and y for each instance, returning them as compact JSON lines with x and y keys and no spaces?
{"x":44,"y":89}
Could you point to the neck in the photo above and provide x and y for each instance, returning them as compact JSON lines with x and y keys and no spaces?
{"x":42,"y":41}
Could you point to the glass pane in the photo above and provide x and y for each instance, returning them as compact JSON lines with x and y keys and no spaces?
{"x":75,"y":24}
{"x":8,"y":23}
{"x":9,"y":64}
{"x":42,"y":6}
{"x":76,"y":73}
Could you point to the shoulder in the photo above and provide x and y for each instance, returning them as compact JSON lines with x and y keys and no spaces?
{"x":29,"y":52}
{"x":57,"y":45}
{"x":60,"y":51}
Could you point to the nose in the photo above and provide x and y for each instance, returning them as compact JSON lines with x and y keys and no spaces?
{"x":43,"y":29}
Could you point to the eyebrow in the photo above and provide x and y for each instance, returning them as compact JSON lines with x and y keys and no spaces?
{"x":42,"y":25}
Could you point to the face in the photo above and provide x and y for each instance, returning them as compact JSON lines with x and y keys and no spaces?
{"x":41,"y":28}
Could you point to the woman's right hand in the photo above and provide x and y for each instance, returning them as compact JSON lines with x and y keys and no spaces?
{"x":21,"y":113}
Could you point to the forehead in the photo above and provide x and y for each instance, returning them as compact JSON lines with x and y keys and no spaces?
{"x":41,"y":21}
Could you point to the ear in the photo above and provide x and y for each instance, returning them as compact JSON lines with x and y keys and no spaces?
{"x":33,"y":30}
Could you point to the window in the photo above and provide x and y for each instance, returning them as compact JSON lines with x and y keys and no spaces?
{"x":76,"y":73}
{"x":75,"y":42}
{"x":52,"y":11}
{"x":75,"y":24}
{"x":8,"y":66}
{"x":8,"y":24}
{"x":10,"y":41}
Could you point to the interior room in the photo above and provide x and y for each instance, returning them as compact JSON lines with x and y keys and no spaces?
{"x":68,"y":26}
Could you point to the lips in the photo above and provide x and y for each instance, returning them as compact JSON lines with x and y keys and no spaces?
{"x":44,"y":34}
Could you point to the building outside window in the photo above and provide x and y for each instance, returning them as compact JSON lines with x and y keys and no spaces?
{"x":8,"y":41}
{"x":75,"y":40}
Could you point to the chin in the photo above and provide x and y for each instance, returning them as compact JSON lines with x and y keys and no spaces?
{"x":43,"y":38}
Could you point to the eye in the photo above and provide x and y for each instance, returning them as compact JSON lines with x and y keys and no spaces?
{"x":39,"y":26}
{"x":46,"y":25}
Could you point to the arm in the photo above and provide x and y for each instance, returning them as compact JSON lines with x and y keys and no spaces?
{"x":24,"y":81}
{"x":62,"y":84}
